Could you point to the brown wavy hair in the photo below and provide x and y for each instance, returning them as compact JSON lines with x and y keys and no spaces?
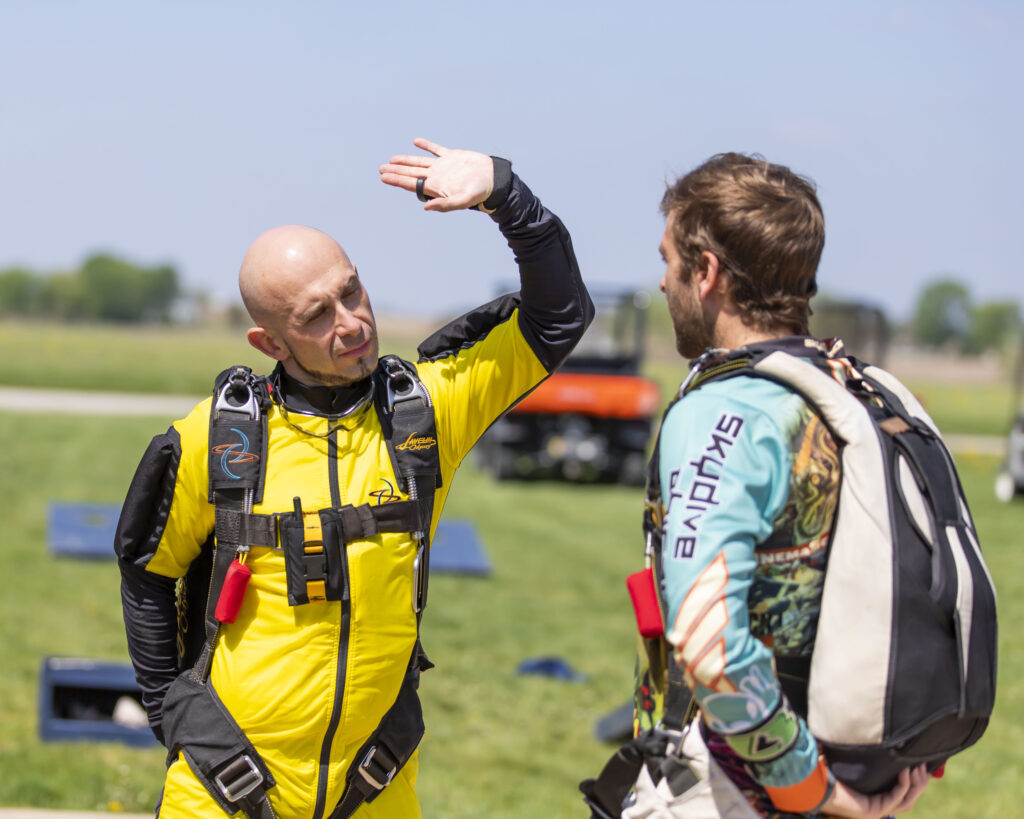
{"x":765,"y":225}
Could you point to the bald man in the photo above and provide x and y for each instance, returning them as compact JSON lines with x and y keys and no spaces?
{"x":273,"y":544}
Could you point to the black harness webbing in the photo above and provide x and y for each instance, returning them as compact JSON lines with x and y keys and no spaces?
{"x":358,"y":522}
{"x":196,"y":722}
{"x":605,"y":794}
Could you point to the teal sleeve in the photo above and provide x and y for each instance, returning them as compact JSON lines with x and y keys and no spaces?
{"x":725,"y":470}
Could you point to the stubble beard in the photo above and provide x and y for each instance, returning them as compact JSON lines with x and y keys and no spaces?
{"x":366,"y":366}
{"x":692,"y":329}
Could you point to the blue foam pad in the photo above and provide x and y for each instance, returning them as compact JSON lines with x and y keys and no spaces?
{"x":86,"y":530}
{"x":457,"y":549}
{"x":77,"y":699}
{"x":82,"y":529}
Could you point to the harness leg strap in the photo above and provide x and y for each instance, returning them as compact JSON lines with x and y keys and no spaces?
{"x":215,"y":748}
{"x":389,"y":747}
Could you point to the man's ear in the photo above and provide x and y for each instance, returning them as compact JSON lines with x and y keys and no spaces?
{"x":265,"y":342}
{"x":709,"y":275}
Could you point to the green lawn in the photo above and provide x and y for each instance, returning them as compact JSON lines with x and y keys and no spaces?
{"x":498,"y":744}
{"x":981,"y":409}
{"x":184,"y":360}
{"x":149,"y":359}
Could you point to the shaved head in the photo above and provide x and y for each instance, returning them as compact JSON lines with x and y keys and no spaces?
{"x":279,"y":262}
{"x":311,"y":310}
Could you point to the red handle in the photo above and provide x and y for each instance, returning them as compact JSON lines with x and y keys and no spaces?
{"x":236,"y":581}
{"x":644,"y":595}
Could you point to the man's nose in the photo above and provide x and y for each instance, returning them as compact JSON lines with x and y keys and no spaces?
{"x":661,"y":284}
{"x":345,"y":321}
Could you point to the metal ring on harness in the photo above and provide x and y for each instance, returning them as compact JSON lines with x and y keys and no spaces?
{"x":249,"y":405}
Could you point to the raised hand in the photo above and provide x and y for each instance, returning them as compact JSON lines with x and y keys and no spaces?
{"x":453,"y":178}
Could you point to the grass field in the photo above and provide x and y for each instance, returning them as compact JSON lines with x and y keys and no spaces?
{"x":498,"y":744}
{"x":184,"y":360}
{"x":149,"y":359}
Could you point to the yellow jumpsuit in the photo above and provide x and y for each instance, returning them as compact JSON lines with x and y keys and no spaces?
{"x":308,"y":684}
{"x":306,"y":701}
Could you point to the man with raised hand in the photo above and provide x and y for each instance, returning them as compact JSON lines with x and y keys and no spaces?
{"x":274,"y":543}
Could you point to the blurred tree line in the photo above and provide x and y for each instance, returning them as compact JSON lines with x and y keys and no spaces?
{"x":947,"y":317}
{"x":105,"y":288}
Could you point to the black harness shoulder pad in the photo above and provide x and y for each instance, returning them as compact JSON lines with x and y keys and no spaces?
{"x":238,"y":432}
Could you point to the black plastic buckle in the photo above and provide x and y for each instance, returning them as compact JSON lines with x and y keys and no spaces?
{"x":314,"y":566}
{"x":373,"y":778}
{"x":239,"y":779}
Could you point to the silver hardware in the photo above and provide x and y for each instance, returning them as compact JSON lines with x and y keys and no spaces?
{"x":241,"y":785}
{"x":365,"y":774}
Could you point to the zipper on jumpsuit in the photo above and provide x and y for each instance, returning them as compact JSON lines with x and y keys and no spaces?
{"x":332,"y":727}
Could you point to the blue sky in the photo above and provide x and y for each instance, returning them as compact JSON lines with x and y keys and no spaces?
{"x":178,"y":132}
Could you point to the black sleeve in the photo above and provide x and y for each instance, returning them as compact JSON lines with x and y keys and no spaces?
{"x":147,"y":599}
{"x":150,"y":621}
{"x":556,"y":308}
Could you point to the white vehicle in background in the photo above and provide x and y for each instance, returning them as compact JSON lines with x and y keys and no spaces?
{"x":1010,"y":480}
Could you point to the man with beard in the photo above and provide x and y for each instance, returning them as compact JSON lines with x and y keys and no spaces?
{"x":749,"y":482}
{"x":286,"y":521}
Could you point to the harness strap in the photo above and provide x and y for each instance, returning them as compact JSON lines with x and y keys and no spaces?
{"x":314,"y":560}
{"x":605,"y":794}
{"x":390,"y":746}
{"x":216,"y":749}
{"x":232,"y":525}
{"x":358,"y":522}
{"x":223,"y":556}
{"x":680,"y":704}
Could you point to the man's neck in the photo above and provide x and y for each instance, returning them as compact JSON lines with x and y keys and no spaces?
{"x":736,"y":334}
{"x":320,"y":399}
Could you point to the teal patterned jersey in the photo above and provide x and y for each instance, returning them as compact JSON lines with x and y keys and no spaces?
{"x":750,"y":480}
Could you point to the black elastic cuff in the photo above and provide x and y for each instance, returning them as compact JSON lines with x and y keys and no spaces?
{"x":502,"y":185}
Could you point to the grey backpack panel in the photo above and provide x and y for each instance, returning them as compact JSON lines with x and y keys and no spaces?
{"x":904,"y":664}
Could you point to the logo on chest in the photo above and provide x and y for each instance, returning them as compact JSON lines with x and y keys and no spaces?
{"x":416,"y":443}
{"x":386,"y":494}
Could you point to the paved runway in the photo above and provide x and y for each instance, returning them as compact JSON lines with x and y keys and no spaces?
{"x":25,"y":399}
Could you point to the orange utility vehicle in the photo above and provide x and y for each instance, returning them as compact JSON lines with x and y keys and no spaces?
{"x":592,"y":419}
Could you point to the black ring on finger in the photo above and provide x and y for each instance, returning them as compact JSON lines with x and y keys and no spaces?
{"x":419,"y":190}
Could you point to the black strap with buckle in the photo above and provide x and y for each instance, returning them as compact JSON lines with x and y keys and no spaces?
{"x":197,"y":723}
{"x":390,"y":746}
{"x":239,"y":778}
